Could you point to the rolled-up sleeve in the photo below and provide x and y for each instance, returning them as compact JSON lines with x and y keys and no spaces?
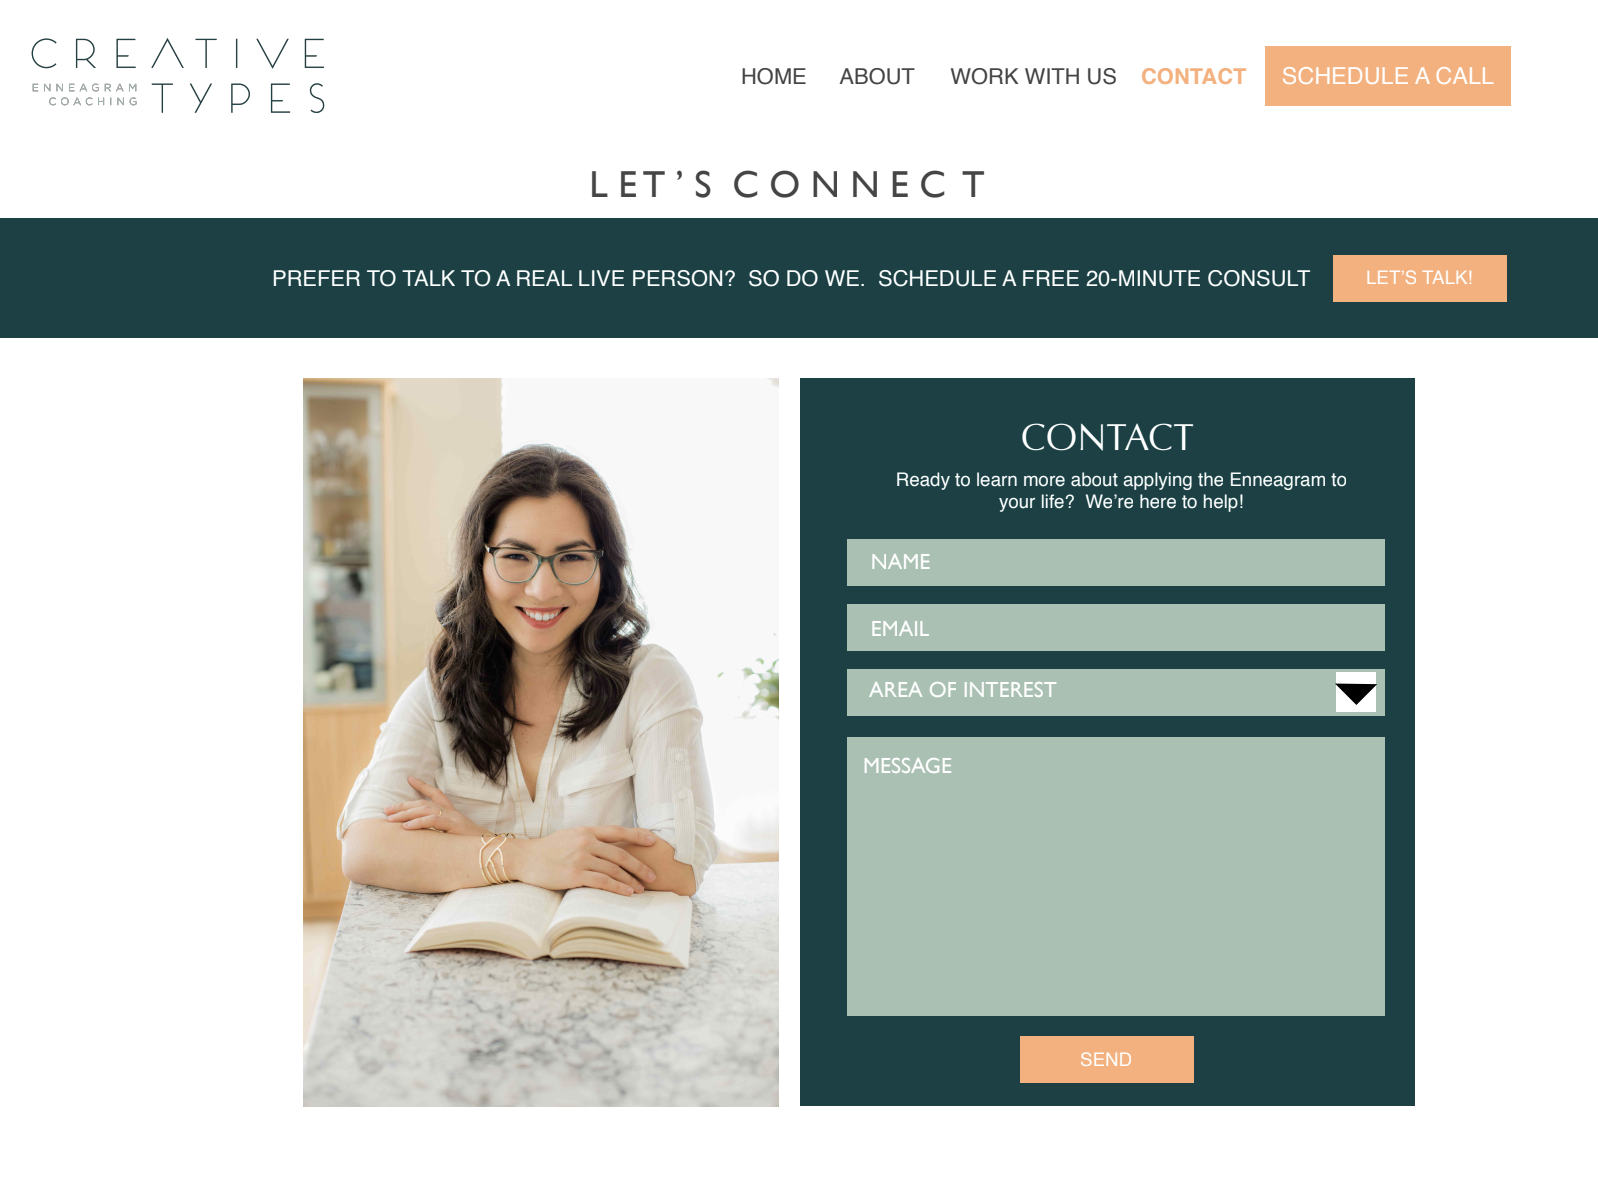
{"x":671,"y":785}
{"x":407,"y":747}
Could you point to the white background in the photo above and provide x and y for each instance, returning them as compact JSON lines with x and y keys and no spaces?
{"x":503,"y":108}
{"x":153,"y":714}
{"x":155,"y":709}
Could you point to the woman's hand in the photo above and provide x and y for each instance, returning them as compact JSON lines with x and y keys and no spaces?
{"x":433,"y":810}
{"x":583,"y":857}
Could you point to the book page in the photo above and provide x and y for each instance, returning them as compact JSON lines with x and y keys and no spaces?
{"x":526,"y":908}
{"x":652,"y":916}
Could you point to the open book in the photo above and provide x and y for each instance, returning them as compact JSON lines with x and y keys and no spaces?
{"x":529,"y":921}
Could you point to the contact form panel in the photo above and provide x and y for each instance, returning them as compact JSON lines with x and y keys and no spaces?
{"x":1144,"y":786}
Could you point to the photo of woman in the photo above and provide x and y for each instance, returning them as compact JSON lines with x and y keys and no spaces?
{"x":542,"y":714}
{"x":537,"y":641}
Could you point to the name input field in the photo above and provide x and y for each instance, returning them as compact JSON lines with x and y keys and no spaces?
{"x":1116,"y":627}
{"x":921,"y":562}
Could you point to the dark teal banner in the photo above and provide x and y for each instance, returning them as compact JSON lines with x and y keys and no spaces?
{"x":769,"y":278}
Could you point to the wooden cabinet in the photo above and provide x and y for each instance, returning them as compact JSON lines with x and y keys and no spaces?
{"x":338,"y":745}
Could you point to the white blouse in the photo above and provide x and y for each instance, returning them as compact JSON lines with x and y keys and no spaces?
{"x":644,"y":767}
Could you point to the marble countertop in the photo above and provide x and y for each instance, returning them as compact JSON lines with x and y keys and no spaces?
{"x":460,"y":1027}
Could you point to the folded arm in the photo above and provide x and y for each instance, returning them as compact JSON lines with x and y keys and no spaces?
{"x":621,"y":860}
{"x":661,"y":858}
{"x":671,"y":791}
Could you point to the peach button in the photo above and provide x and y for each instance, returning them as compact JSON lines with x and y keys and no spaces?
{"x":1420,"y":278}
{"x":1387,"y":76}
{"x":1106,"y":1059}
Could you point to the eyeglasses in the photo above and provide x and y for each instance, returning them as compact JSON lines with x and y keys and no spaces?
{"x":572,"y":567}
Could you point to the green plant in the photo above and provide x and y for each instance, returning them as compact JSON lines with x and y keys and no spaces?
{"x":765,"y":684}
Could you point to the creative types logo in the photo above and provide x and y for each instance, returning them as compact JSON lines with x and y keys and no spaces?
{"x":173,"y":76}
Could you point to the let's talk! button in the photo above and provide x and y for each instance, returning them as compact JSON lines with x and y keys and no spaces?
{"x":1420,"y":278}
{"x":1106,"y":1059}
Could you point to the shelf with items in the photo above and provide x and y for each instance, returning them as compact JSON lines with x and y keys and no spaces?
{"x":345,"y":612}
{"x":343,"y":566}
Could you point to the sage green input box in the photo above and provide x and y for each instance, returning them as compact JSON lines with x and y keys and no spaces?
{"x":1099,"y":627}
{"x":1117,"y":876}
{"x":926,"y":562}
{"x":895,"y":692}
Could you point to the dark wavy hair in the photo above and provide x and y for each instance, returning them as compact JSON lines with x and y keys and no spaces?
{"x":470,"y":662}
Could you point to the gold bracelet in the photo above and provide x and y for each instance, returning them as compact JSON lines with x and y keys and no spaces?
{"x":488,"y":878}
{"x":487,"y":881}
{"x":493,"y":868}
{"x":496,"y":858}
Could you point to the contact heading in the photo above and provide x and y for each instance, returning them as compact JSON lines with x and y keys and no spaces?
{"x":1039,"y":436}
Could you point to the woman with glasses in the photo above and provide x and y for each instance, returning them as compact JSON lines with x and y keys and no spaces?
{"x":541,"y":714}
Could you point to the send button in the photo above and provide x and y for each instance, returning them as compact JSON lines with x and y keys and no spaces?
{"x":1107,"y":1059}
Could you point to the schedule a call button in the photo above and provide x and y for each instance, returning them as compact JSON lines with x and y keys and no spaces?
{"x":1106,"y":1059}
